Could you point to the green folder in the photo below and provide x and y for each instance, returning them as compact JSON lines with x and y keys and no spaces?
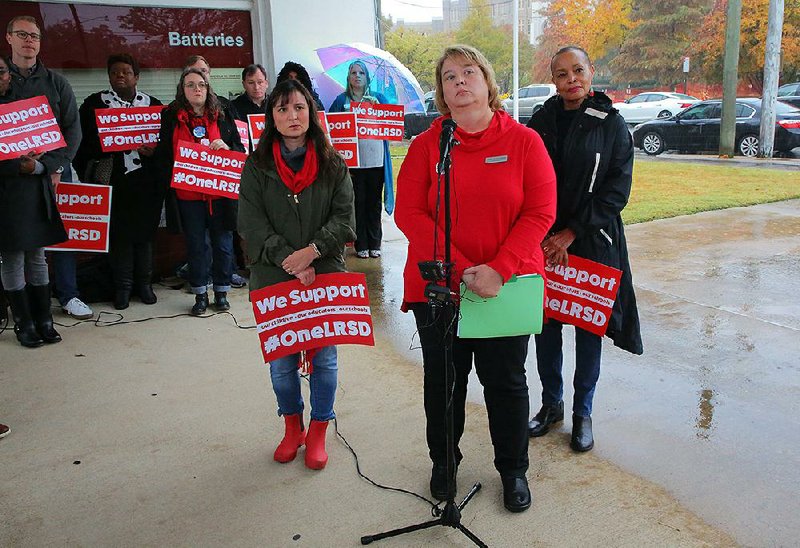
{"x":517,"y":310}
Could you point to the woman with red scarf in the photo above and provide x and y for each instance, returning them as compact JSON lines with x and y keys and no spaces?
{"x":197,"y":116}
{"x":295,"y":215}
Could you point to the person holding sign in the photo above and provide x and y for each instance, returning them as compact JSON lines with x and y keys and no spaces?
{"x":29,"y":221}
{"x":196,"y":116}
{"x":295,"y":215}
{"x":375,"y":167}
{"x":592,"y":152}
{"x":504,"y":197}
{"x":136,"y":207}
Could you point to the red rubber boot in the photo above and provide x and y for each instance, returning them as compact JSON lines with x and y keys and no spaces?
{"x":294,"y":437}
{"x":316,"y":457}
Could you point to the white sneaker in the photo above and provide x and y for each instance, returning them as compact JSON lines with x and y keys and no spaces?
{"x":77,"y":309}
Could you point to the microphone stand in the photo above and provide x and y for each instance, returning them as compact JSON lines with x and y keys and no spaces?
{"x":441,"y":301}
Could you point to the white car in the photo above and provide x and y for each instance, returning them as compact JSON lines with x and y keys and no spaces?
{"x":654,"y":104}
{"x":531,"y":99}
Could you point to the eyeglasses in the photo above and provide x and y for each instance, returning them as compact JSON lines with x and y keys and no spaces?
{"x":198,"y":85}
{"x":22,"y":35}
{"x":3,"y":71}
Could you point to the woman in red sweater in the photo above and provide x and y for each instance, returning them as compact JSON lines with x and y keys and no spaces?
{"x":503,"y":198}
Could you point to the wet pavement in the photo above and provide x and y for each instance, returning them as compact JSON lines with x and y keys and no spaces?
{"x":711,"y":411}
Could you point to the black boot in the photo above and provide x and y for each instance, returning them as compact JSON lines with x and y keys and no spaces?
{"x":39,"y":298}
{"x":146,"y":294}
{"x":3,"y":307}
{"x":516,"y":493}
{"x":547,"y":415}
{"x":122,"y":298}
{"x":143,"y":273}
{"x":200,"y":304}
{"x":582,"y":437}
{"x":438,"y":483}
{"x":24,"y":327}
{"x":121,"y":259}
{"x":221,"y":303}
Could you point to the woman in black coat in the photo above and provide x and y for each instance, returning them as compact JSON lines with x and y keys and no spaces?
{"x":196,"y":115}
{"x":136,"y":204}
{"x":29,"y":221}
{"x":592,"y":153}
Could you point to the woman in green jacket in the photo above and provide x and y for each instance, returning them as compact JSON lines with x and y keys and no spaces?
{"x":295,"y":216}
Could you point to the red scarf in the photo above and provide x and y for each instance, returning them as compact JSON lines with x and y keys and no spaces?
{"x":186,"y":122}
{"x":296,"y":182}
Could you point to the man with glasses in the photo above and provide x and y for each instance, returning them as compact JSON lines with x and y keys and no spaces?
{"x":30,"y":78}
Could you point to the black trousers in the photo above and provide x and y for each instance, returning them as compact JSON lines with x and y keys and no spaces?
{"x":368,"y":189}
{"x":131,"y":263}
{"x":500,"y":365}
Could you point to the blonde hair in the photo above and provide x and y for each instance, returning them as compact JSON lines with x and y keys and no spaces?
{"x":476,"y":58}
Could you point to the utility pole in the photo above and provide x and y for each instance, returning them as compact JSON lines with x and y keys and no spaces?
{"x":730,"y":78}
{"x":772,"y":60}
{"x":515,"y":57}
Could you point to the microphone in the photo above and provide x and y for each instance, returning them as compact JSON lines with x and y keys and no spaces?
{"x":445,"y":142}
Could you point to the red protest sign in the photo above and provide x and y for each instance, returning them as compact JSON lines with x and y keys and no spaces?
{"x":244,"y":136}
{"x":127,"y":128}
{"x":292,"y":317}
{"x":341,"y":130}
{"x":200,"y":169}
{"x":85,"y":211}
{"x":256,"y":123}
{"x":582,"y":294}
{"x":376,"y":121}
{"x":28,"y":126}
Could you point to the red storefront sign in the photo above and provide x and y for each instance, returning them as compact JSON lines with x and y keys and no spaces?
{"x":28,"y":126}
{"x":341,"y":130}
{"x":256,"y":122}
{"x":200,"y":169}
{"x":376,"y":121}
{"x":79,"y":35}
{"x":244,"y":135}
{"x":292,"y":317}
{"x":582,"y":294}
{"x":86,"y":212}
{"x":128,"y":128}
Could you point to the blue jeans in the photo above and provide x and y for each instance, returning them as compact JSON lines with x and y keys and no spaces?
{"x":65,"y":275}
{"x":286,"y":384}
{"x":549,"y":359}
{"x":196,"y":219}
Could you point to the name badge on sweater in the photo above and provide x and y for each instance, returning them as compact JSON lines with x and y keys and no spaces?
{"x":496,"y":159}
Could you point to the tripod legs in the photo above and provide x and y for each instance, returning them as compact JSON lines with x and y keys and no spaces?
{"x":450,"y":517}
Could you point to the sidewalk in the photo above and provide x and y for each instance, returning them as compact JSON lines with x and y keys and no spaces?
{"x":162,"y":432}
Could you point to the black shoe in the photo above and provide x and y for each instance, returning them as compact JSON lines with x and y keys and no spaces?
{"x":221,"y":303}
{"x":39,"y":296}
{"x":146,"y":294}
{"x":516,"y":494}
{"x":439,"y":482}
{"x":122,"y":299}
{"x":24,"y":327}
{"x":200,"y":304}
{"x":547,"y":415}
{"x":582,"y":437}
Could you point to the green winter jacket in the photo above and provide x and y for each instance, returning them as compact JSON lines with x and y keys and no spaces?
{"x":274,"y":223}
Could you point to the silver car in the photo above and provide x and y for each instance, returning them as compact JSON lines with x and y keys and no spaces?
{"x":531,"y":99}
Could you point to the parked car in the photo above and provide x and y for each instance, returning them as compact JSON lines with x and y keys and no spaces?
{"x":531,"y":99}
{"x":653,"y":104}
{"x":790,"y":93}
{"x":416,"y":123}
{"x":697,"y":128}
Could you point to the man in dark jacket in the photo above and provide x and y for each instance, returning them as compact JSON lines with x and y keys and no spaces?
{"x":253,"y":100}
{"x":30,"y":78}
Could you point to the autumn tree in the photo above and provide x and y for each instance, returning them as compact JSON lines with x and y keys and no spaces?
{"x":662,"y":34}
{"x":418,"y":52}
{"x":752,"y":47}
{"x":598,"y":26}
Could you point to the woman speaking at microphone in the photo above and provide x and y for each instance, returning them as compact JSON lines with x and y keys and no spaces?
{"x":197,"y":116}
{"x":296,"y":215}
{"x":503,"y":201}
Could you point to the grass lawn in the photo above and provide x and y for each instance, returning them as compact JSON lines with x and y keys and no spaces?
{"x":668,"y":189}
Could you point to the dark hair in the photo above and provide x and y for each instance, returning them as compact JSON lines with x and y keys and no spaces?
{"x":213,"y":106}
{"x":252,"y":69}
{"x":192,"y":59}
{"x":26,"y":18}
{"x":122,"y":58}
{"x":297,"y":68}
{"x":567,"y":49}
{"x":328,"y":159}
